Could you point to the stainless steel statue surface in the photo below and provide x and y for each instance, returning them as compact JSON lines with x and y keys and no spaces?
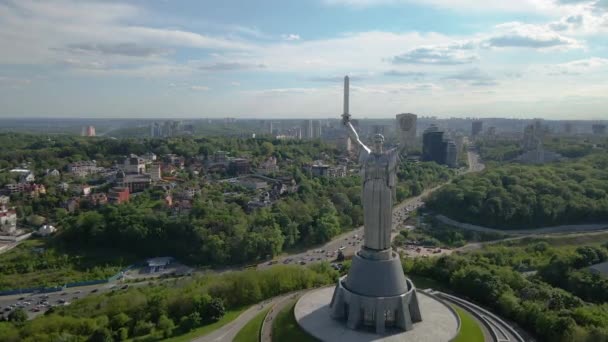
{"x":379,"y":173}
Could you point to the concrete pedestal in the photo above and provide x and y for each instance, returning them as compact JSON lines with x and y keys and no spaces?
{"x":312,"y":312}
{"x":376,"y":294}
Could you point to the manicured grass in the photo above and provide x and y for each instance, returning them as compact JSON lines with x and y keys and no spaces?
{"x":469,"y":329}
{"x":285,"y":327}
{"x":251,"y":331}
{"x":230,"y":316}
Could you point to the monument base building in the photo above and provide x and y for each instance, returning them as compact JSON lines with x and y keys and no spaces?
{"x":376,"y":293}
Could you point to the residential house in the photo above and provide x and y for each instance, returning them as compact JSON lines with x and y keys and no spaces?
{"x":63,"y":186}
{"x":27,"y":178}
{"x":53,"y":173}
{"x":82,"y":189}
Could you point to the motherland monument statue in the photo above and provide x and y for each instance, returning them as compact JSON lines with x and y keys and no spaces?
{"x":376,"y":293}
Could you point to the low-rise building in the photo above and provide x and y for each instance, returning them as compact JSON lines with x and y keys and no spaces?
{"x":27,"y":178}
{"x":134,"y":165}
{"x":239,"y":166}
{"x":83,"y":168}
{"x":53,"y":173}
{"x":268,"y":166}
{"x":32,"y":190}
{"x":72,"y":204}
{"x":8,"y":220}
{"x":82,"y":189}
{"x":175,"y":160}
{"x":189,"y":193}
{"x":63,"y":186}
{"x":98,"y":199}
{"x":155,"y":172}
{"x":118,"y":195}
{"x":253,"y":183}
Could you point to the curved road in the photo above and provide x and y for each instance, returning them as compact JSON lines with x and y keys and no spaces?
{"x":229,"y":331}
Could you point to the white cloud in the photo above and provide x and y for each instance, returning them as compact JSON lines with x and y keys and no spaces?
{"x":520,"y":35}
{"x":199,"y":88}
{"x":441,"y":55}
{"x":474,"y":77}
{"x":579,"y":67}
{"x":519,"y":6}
{"x":290,"y":37}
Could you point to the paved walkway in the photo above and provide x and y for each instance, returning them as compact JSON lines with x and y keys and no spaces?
{"x":499,"y":330}
{"x":230,"y":330}
{"x":266,"y":335}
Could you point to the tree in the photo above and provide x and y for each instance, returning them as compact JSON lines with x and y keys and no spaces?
{"x":119,"y":320}
{"x":122,"y":334}
{"x":216,"y":309}
{"x":101,"y":335}
{"x":187,"y":323}
{"x":18,"y":316}
{"x":165,"y":325}
{"x":267,"y":148}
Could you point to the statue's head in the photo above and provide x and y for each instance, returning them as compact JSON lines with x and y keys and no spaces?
{"x":378,"y":142}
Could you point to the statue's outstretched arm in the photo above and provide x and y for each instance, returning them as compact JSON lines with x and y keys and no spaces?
{"x":355,"y":137}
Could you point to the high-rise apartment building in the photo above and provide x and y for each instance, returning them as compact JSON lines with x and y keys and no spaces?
{"x":476,"y":128}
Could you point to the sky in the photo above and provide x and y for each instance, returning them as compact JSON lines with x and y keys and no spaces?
{"x":287,"y":58}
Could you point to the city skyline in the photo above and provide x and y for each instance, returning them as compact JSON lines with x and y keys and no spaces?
{"x":269,"y":59}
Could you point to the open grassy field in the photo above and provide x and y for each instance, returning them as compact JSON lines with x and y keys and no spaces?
{"x":469,"y":329}
{"x":251,"y":331}
{"x":285,"y":327}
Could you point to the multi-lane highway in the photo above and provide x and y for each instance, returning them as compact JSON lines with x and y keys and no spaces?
{"x":38,"y":303}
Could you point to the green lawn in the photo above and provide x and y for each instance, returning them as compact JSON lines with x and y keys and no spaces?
{"x":285,"y":327}
{"x":230,"y":316}
{"x":251,"y":331}
{"x":469,"y":329}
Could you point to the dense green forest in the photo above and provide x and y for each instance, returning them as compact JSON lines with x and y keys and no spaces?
{"x":504,"y":150}
{"x":520,"y":196}
{"x":499,"y":278}
{"x":157,"y":312}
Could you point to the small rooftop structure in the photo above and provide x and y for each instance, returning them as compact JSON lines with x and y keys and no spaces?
{"x":158,"y":264}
